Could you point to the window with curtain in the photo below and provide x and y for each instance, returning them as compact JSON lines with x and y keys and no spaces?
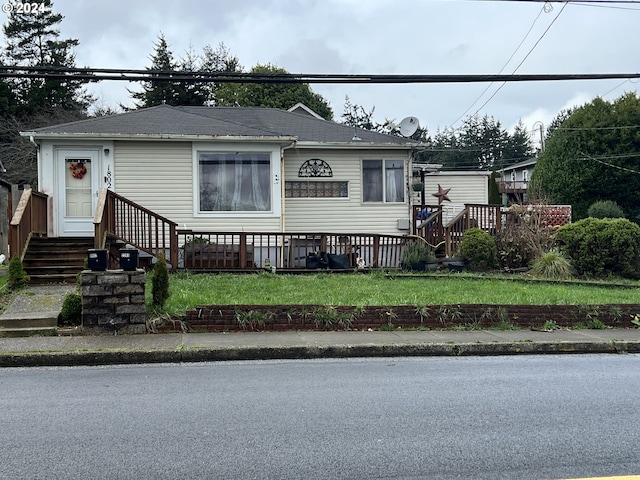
{"x":383,"y":181}
{"x":235,"y":181}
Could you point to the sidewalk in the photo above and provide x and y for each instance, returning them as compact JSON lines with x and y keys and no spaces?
{"x":200,"y":347}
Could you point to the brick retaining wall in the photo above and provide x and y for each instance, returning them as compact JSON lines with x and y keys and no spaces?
{"x":219,"y":318}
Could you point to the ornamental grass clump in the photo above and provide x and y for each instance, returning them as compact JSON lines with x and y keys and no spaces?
{"x":552,"y":265}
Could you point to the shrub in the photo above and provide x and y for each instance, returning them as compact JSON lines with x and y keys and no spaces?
{"x":416,"y":251}
{"x":18,"y":278}
{"x":71,"y":311}
{"x":605,"y":209}
{"x":600,"y":247}
{"x":519,"y":245}
{"x":479,"y":248}
{"x":160,"y":283}
{"x":553,"y":265}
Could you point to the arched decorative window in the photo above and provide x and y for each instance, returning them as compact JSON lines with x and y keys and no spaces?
{"x":315,"y":168}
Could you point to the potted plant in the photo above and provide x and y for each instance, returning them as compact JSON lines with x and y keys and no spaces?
{"x":418,"y":256}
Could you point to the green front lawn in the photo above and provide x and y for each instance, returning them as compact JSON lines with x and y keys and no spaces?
{"x":189,"y":290}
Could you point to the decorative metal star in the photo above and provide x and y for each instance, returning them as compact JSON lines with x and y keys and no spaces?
{"x":442,"y":194}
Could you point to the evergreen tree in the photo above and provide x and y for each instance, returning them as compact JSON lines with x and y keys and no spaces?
{"x":191,"y":93}
{"x":158,"y":92}
{"x":32,"y":39}
{"x":220,"y":60}
{"x":481,"y":143}
{"x":592,"y":154}
{"x":356,"y":116}
{"x":274,"y":95}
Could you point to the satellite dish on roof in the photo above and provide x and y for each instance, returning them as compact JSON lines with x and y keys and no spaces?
{"x":408,"y":126}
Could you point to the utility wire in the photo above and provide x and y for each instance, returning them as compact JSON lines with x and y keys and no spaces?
{"x":589,"y":157}
{"x":543,"y":9}
{"x":99,"y":74}
{"x":526,"y":56}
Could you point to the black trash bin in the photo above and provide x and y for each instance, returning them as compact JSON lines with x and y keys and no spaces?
{"x":128,"y":258}
{"x":98,"y":259}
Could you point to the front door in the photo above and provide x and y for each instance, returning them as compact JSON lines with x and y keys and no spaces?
{"x":78,"y":171}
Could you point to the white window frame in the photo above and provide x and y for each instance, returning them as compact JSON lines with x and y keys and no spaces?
{"x":275,"y":174}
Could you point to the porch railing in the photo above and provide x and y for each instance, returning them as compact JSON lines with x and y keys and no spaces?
{"x":485,"y":217}
{"x":30,"y":219}
{"x":430,"y":224}
{"x":243,"y":250}
{"x":120,"y":218}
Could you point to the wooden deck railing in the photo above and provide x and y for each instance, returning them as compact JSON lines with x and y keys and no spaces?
{"x":120,"y":218}
{"x":430,"y":224}
{"x":485,"y":217}
{"x":243,"y":250}
{"x":29,"y":219}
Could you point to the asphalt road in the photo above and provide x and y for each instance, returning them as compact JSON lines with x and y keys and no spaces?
{"x":525,"y":417}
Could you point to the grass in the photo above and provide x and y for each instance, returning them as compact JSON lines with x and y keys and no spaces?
{"x":188,"y":290}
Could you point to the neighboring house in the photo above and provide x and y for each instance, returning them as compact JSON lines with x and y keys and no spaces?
{"x":514,"y":181}
{"x":463,"y":188}
{"x":302,"y":109}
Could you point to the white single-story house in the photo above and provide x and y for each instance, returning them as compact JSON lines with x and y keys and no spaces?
{"x":237,"y":169}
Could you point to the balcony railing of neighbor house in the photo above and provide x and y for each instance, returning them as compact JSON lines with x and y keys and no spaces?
{"x":29,"y":219}
{"x":513,"y":186}
{"x":117,"y":217}
{"x":287,"y":251}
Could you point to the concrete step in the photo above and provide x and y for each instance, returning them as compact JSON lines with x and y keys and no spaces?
{"x":29,"y":320}
{"x":28,"y":332}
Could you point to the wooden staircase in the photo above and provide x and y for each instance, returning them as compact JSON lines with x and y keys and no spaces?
{"x":56,"y":260}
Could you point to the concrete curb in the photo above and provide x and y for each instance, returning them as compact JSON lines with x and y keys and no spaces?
{"x":286,"y":352}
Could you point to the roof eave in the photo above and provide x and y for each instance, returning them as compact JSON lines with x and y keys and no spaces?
{"x":355,"y":145}
{"x":154,"y":137}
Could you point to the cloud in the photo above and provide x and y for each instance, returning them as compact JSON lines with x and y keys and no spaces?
{"x":378,"y":36}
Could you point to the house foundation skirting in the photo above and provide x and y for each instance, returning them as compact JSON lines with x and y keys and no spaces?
{"x":113,"y":300}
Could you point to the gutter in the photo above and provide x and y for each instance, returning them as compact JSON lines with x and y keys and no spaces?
{"x":281,"y":139}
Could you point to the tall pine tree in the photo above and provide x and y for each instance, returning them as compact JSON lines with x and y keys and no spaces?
{"x":171,"y":92}
{"x":33,"y":39}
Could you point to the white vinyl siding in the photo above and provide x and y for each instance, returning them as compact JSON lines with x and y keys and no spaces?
{"x":464,"y":188}
{"x":341,"y":215}
{"x":159,"y":176}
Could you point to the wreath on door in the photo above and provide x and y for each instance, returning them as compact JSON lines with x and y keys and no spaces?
{"x":78,"y":170}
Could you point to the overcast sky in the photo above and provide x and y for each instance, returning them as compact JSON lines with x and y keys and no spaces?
{"x":381,"y":37}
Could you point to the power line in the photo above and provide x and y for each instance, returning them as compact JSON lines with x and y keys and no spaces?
{"x":99,"y":74}
{"x":525,"y":57}
{"x":543,"y":9}
{"x":589,"y":157}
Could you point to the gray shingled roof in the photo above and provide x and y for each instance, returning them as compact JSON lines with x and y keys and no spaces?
{"x":221,"y":121}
